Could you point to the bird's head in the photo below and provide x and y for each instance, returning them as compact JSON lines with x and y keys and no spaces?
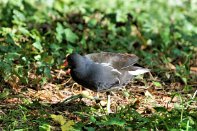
{"x":73,"y":60}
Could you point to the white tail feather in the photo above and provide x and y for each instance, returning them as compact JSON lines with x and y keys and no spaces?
{"x":139,"y":71}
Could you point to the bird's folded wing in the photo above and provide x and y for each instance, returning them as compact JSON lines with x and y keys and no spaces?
{"x":117,"y":60}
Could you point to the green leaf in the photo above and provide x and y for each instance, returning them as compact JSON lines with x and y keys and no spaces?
{"x":58,"y":118}
{"x":115,"y":121}
{"x":89,"y":128}
{"x":166,"y":36}
{"x":12,"y":56}
{"x":38,"y":46}
{"x":24,"y":31}
{"x":10,"y":39}
{"x":92,"y":23}
{"x":70,"y":36}
{"x":92,"y":119}
{"x":44,"y":127}
{"x":4,"y":93}
{"x":18,"y":15}
{"x":47,"y":72}
{"x":49,"y":59}
{"x":184,"y":80}
{"x":37,"y":57}
{"x":55,"y":47}
{"x":65,"y":125}
{"x":59,"y":32}
{"x":158,"y":84}
{"x":160,"y":109}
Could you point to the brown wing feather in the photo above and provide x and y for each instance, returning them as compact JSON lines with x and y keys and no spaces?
{"x":117,"y":60}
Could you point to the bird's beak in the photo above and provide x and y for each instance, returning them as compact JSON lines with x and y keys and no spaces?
{"x":65,"y":64}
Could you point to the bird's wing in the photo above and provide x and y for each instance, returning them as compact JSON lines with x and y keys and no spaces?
{"x":117,"y":60}
{"x":103,"y":76}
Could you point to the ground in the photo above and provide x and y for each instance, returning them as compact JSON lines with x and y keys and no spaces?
{"x":145,"y":94}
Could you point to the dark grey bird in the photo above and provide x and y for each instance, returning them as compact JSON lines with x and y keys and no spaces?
{"x":105,"y":71}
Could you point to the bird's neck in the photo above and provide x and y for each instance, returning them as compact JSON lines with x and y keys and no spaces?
{"x":80,"y":70}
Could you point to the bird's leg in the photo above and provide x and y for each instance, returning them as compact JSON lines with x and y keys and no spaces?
{"x":97,"y":97}
{"x":80,"y":88}
{"x":108,"y":103}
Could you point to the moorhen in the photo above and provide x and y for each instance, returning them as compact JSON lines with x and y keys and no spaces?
{"x":105,"y":71}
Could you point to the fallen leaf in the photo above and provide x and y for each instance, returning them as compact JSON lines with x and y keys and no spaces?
{"x":13,"y":100}
{"x":193,"y":70}
{"x":148,"y":94}
{"x":170,"y":66}
{"x":103,"y":103}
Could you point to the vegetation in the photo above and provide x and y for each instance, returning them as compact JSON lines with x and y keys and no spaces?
{"x":36,"y":36}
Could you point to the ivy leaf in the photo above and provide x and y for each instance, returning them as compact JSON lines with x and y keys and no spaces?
{"x":49,"y":59}
{"x":59,"y":32}
{"x":92,"y":119}
{"x":70,"y":36}
{"x":37,"y":57}
{"x":24,"y":31}
{"x":38,"y":46}
{"x":10,"y":39}
{"x":47,"y":72}
{"x":166,"y":36}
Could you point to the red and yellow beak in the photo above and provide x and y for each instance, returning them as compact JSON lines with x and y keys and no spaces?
{"x":65,"y":64}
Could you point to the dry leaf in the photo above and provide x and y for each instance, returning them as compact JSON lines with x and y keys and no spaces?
{"x":193,"y":70}
{"x":148,"y":94}
{"x":170,"y":66}
{"x":13,"y":100}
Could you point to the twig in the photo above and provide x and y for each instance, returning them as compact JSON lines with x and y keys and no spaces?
{"x":59,"y":74}
{"x":66,"y":81}
{"x":72,"y":88}
{"x":82,"y":95}
{"x":72,"y":98}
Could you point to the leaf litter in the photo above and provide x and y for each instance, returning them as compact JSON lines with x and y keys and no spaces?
{"x":148,"y":94}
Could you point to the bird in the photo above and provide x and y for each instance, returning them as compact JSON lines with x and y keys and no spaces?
{"x":104,"y":71}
